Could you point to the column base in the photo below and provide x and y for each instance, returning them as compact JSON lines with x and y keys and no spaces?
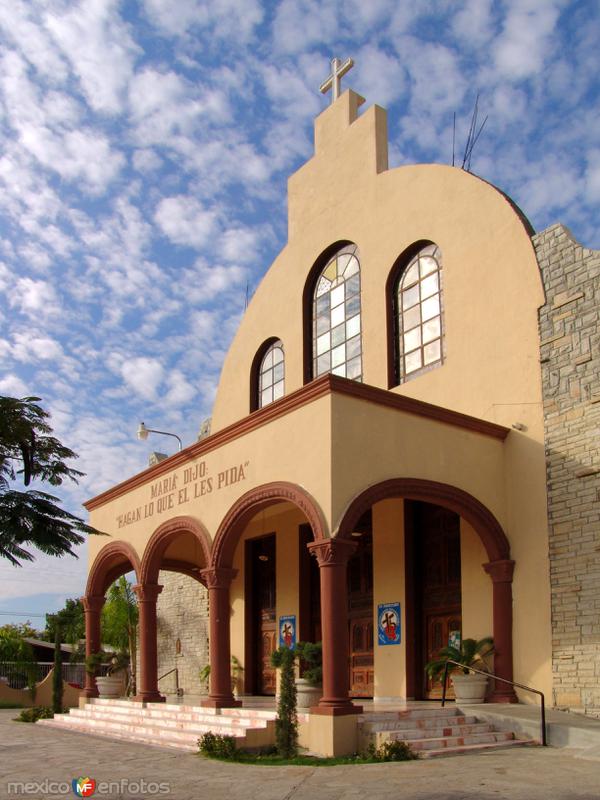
{"x":89,"y":693}
{"x":149,"y":697}
{"x":338,"y":710}
{"x":220,"y":702}
{"x":504,"y":696}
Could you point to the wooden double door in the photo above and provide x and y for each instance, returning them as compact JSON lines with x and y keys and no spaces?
{"x":433,"y":588}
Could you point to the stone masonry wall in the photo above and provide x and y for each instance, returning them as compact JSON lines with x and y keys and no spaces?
{"x":570,"y":361}
{"x":182,"y":615}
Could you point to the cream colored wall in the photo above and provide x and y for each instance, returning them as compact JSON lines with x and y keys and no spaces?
{"x":293,"y":448}
{"x":389,"y":586}
{"x":283,"y":520}
{"x":492,"y":286}
{"x":381,"y":443}
{"x":476,"y":586}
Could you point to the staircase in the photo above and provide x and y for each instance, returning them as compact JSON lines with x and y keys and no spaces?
{"x":434,"y":732}
{"x":167,"y":725}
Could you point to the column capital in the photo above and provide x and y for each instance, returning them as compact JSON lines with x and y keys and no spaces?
{"x":92,"y":602}
{"x":332,"y":552}
{"x":147,"y":592}
{"x":500,"y":571}
{"x":218,"y":577}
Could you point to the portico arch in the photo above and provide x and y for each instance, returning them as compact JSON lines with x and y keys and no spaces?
{"x":242,"y":511}
{"x":113,"y":560}
{"x":500,"y":566}
{"x":220,"y":573}
{"x":451,"y":497}
{"x":155,"y":555}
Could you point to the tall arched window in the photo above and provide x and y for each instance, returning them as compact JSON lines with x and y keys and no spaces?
{"x":336,"y":340}
{"x":418,"y":310}
{"x":271,"y":374}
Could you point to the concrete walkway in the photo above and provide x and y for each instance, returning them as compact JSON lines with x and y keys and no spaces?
{"x":33,"y":754}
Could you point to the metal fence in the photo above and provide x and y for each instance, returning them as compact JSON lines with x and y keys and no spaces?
{"x":20,"y":675}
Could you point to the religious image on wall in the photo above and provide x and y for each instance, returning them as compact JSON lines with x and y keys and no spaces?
{"x":287,"y":631}
{"x":389,"y":628}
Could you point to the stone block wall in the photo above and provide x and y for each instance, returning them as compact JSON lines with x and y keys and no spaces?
{"x":570,"y":362}
{"x":182,"y":632}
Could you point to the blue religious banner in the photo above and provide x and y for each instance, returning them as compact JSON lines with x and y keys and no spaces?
{"x":287,"y":631}
{"x":388,"y":623}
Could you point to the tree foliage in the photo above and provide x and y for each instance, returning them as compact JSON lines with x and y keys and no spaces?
{"x":286,"y":724}
{"x":70,"y":620}
{"x":119,"y":623}
{"x":28,"y":451}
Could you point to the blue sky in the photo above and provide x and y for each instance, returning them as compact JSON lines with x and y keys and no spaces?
{"x":144,"y":155}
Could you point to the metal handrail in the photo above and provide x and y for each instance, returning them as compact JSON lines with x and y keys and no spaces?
{"x":176,"y":671}
{"x":504,"y":680}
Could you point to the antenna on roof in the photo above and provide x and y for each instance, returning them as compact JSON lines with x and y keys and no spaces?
{"x":247,"y":295}
{"x":472,"y":137}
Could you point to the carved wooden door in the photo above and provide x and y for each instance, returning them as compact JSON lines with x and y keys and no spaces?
{"x":360,"y":617}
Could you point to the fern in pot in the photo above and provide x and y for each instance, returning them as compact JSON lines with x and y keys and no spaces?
{"x":469,"y":687}
{"x":309,"y":688}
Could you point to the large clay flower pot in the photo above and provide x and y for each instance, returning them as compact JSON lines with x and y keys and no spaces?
{"x":110,"y":686}
{"x":469,"y":689}
{"x":306,"y":694}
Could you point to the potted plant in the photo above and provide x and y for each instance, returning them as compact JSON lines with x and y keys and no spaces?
{"x":469,"y":687}
{"x":111,"y":684}
{"x":309,"y":687}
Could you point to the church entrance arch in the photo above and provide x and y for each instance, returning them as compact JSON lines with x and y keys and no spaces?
{"x":260,"y":559}
{"x":436,"y":624}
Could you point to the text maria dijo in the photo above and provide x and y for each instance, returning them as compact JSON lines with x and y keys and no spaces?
{"x":177,"y":490}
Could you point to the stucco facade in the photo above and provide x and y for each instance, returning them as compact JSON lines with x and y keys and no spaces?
{"x":369,"y":467}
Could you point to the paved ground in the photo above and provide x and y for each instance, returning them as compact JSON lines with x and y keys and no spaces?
{"x":30,"y":753}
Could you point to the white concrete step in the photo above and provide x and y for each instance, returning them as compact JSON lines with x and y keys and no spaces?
{"x":474,"y":748}
{"x":167,"y":724}
{"x":434,"y":731}
{"x":130,"y":737}
{"x":169,"y":718}
{"x":422,"y":723}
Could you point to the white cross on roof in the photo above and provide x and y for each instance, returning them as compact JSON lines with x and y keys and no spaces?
{"x":333,"y":82}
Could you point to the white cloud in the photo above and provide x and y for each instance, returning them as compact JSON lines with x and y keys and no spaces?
{"x":13,"y":386}
{"x":301,"y":24}
{"x":526,"y":41}
{"x":94,"y":38}
{"x":143,"y":375}
{"x":29,"y":348}
{"x":473,"y":22}
{"x":235,"y":19}
{"x":20,"y":22}
{"x":35,"y":298}
{"x":180,"y":390}
{"x":185,"y":221}
{"x":381,"y":76}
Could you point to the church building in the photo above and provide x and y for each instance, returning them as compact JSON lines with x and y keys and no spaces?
{"x":403,"y":452}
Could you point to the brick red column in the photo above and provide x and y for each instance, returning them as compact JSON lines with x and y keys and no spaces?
{"x":333,"y":555}
{"x":92,"y":607}
{"x":147,"y":595}
{"x":218,"y":582}
{"x":501,"y":573}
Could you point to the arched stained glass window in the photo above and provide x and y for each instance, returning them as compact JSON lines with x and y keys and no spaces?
{"x":419,"y":313}
{"x":336,"y":317}
{"x":271,"y":375}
